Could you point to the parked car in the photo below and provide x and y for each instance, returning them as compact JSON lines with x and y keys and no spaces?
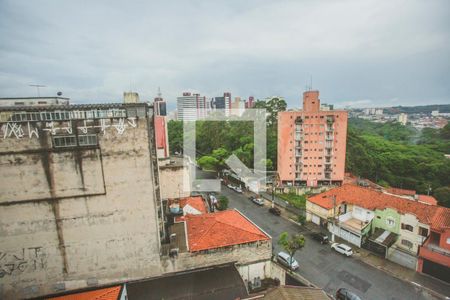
{"x":258,"y":201}
{"x":344,"y":294}
{"x":251,"y":198}
{"x":230,"y":186}
{"x":286,"y":260}
{"x":275,"y":210}
{"x":342,"y":248}
{"x":318,"y":236}
{"x":238,"y":189}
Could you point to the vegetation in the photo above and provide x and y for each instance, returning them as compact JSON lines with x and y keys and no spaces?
{"x":298,"y":201}
{"x":442,"y":194}
{"x":223,"y":203}
{"x":292,"y":243}
{"x":387,"y":154}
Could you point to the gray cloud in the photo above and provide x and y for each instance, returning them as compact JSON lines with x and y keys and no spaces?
{"x":355,"y":50}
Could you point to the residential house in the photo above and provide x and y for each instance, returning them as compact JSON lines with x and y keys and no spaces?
{"x":434,"y":254}
{"x":392,"y":226}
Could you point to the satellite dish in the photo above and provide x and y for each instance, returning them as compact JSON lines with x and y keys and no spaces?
{"x":59,"y":93}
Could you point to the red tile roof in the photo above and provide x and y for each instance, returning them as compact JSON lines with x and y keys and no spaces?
{"x":373,"y":199}
{"x":196,"y":202}
{"x":221,"y":229}
{"x":111,"y":293}
{"x":398,"y":191}
{"x":428,"y":199}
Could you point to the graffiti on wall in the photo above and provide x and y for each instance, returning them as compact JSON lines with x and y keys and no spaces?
{"x":26,"y":259}
{"x":29,"y":129}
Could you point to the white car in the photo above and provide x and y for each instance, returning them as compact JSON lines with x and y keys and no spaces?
{"x":286,"y":260}
{"x":238,"y":189}
{"x":342,"y":248}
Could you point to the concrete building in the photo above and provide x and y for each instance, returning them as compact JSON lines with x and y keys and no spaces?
{"x":130,"y":97}
{"x":79,"y":198}
{"x":223,"y":102}
{"x":191,"y":107}
{"x":34,"y":101}
{"x":311,"y":144}
{"x":403,"y":118}
{"x":174,"y":178}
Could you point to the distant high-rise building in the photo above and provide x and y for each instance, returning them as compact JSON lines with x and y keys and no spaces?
{"x":250,"y":103}
{"x":159,"y":105}
{"x":130,"y":97}
{"x":311,"y":144}
{"x":191,"y":107}
{"x":223,"y":102}
{"x":403,"y":118}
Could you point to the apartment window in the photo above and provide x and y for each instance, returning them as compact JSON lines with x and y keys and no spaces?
{"x":423,"y":231}
{"x":64,"y":141}
{"x":42,"y":102}
{"x":407,"y":243}
{"x":407,"y":227}
{"x":390,"y":222}
{"x":87,"y":140}
{"x":448,"y":241}
{"x":19,"y":103}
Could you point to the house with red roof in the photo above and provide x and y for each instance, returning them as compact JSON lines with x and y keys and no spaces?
{"x":434,"y":254}
{"x":180,"y":207}
{"x":202,"y":240}
{"x":391,"y":225}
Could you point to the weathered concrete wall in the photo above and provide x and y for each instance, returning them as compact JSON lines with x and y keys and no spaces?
{"x":243,"y":254}
{"x":173,"y":183}
{"x":76,"y":217}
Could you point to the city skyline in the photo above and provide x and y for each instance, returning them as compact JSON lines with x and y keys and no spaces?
{"x":399,"y":58}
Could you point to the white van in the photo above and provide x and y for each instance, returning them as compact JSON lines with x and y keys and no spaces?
{"x":285,"y":259}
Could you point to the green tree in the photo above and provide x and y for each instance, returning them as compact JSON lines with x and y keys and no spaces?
{"x":442,"y":194}
{"x":175,"y":134}
{"x":208,"y":163}
{"x":291,"y":244}
{"x":223,"y":203}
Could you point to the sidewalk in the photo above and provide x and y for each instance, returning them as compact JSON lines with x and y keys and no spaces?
{"x":434,"y":286}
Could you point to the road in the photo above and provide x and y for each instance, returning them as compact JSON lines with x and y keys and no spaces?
{"x":324,"y":267}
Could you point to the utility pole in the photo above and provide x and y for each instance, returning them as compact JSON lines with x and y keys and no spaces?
{"x":333,"y":197}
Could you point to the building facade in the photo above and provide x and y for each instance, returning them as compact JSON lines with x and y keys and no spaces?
{"x":80,"y":199}
{"x":191,"y":107}
{"x":34,"y":101}
{"x":311,"y":144}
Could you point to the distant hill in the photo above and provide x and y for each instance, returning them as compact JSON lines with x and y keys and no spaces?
{"x":424,"y":109}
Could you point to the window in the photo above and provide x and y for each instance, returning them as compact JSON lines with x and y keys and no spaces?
{"x":448,"y":241}
{"x":19,"y":103}
{"x":42,"y":102}
{"x":87,"y":140}
{"x":407,"y":243}
{"x":423,"y":231}
{"x":64,"y":141}
{"x":407,"y":227}
{"x":390,"y":222}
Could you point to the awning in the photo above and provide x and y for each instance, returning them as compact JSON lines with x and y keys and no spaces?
{"x":383,"y":237}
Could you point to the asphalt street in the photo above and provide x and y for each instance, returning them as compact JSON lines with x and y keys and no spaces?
{"x":323,"y":266}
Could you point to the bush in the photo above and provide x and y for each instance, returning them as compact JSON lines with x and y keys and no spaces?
{"x":223,"y":203}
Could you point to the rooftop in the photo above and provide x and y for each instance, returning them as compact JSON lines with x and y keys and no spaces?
{"x":111,"y":293}
{"x":219,"y":283}
{"x":221,"y":229}
{"x":436,"y":216}
{"x":398,"y":191}
{"x":296,"y":293}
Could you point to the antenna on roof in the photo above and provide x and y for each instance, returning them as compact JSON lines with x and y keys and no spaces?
{"x":37,"y":86}
{"x":310,"y":87}
{"x":159,"y":92}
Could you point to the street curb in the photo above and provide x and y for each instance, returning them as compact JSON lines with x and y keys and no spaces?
{"x":433,"y":292}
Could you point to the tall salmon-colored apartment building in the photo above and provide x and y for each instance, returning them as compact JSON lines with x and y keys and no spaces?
{"x":311,"y":144}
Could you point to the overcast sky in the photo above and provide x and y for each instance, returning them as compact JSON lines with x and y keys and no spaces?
{"x":359,"y":53}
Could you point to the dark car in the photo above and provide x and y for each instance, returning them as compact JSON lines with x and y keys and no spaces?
{"x":322,"y":238}
{"x":251,"y":198}
{"x":274,"y":210}
{"x":344,"y":294}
